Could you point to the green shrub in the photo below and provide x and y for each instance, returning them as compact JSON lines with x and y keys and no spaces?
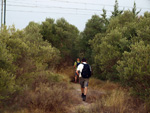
{"x":61,"y":35}
{"x":134,"y":69}
{"x":143,"y":29}
{"x":7,"y":85}
{"x":108,"y":47}
{"x":7,"y":75}
{"x":40,"y":50}
{"x":23,"y":54}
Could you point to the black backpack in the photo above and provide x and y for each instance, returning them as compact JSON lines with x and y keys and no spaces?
{"x":86,"y":72}
{"x":78,"y":63}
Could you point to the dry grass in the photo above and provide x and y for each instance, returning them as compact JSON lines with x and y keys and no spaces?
{"x":103,"y":86}
{"x":69,"y":72}
{"x":48,"y":93}
{"x":112,"y":99}
{"x":46,"y":98}
{"x":117,"y":102}
{"x":94,"y":95}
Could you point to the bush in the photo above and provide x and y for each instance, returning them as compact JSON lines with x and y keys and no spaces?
{"x":7,"y":75}
{"x":6,"y":58}
{"x":40,"y":50}
{"x":48,"y":97}
{"x":134,"y":69}
{"x":143,"y":29}
{"x":48,"y":93}
{"x":61,"y":35}
{"x":22,"y":54}
{"x":7,"y":85}
{"x":108,"y":47}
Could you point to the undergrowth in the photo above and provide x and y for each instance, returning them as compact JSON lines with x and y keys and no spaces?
{"x":114,"y":99}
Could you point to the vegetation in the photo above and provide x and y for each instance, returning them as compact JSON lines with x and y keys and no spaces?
{"x":32,"y":61}
{"x":24,"y":56}
{"x":121,"y":53}
{"x":61,"y":35}
{"x":114,"y":99}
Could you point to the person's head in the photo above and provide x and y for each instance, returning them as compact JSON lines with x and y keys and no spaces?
{"x":78,"y":59}
{"x":83,"y":60}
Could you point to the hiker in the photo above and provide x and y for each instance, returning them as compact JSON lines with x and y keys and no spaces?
{"x":76,"y":63}
{"x":84,"y":72}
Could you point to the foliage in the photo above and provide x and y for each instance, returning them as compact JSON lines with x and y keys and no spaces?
{"x":40,"y":50}
{"x":121,"y":43}
{"x":108,"y":47}
{"x":22,"y":53}
{"x":116,"y":11}
{"x":134,"y":70}
{"x":119,"y":55}
{"x":143,"y":29}
{"x":134,"y":10}
{"x":94,"y":26}
{"x":7,"y":85}
{"x":61,"y":35}
{"x":116,"y":47}
{"x":7,"y":82}
{"x":6,"y":58}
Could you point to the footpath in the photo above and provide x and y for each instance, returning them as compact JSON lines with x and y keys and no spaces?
{"x":92,"y":96}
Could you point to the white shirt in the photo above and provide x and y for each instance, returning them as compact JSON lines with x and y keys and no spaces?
{"x":80,"y":68}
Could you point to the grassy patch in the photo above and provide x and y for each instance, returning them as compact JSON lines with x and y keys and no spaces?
{"x":47,"y":92}
{"x":108,"y":97}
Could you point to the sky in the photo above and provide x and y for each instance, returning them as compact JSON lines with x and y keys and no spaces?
{"x":76,"y":12}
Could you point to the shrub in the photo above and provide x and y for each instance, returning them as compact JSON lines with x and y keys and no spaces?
{"x":6,"y":58}
{"x":7,"y":85}
{"x":108,"y":47}
{"x":134,"y":70}
{"x":7,"y":75}
{"x":40,"y":50}
{"x":49,"y":97}
{"x":22,"y":54}
{"x":61,"y":35}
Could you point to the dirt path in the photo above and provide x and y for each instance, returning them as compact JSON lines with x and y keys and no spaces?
{"x":92,"y":96}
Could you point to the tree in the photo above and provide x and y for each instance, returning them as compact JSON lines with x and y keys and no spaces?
{"x":116,"y":11}
{"x":7,"y":68}
{"x":48,"y":31}
{"x":134,"y":69}
{"x":134,"y":10}
{"x":108,"y":47}
{"x":105,"y":19}
{"x":94,"y":26}
{"x":143,"y":29}
{"x":62,"y":36}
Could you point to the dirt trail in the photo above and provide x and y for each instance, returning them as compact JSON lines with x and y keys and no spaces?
{"x":92,"y":96}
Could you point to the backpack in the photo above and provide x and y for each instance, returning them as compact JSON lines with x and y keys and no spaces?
{"x":77,"y":64}
{"x":86,"y":72}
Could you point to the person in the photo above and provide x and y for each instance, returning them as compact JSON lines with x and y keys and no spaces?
{"x":76,"y":63}
{"x":84,"y":72}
